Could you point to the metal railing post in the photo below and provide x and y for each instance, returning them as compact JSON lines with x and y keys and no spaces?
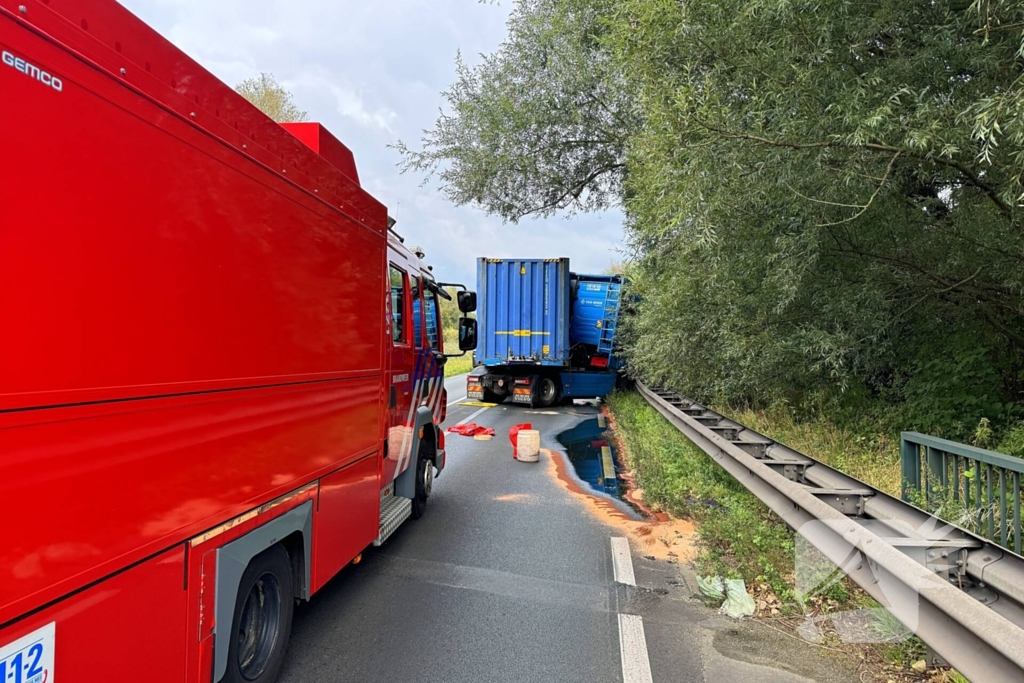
{"x":910,"y":461}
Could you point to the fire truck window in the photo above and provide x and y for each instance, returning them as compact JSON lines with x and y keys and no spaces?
{"x":417,"y":326}
{"x":430,"y":301}
{"x":398,"y":334}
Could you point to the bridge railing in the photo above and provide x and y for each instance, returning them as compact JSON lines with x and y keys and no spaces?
{"x":981,"y":487}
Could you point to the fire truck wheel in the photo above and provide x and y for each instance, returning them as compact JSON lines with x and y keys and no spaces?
{"x":547,"y":392}
{"x":424,"y":484}
{"x":263,"y":619}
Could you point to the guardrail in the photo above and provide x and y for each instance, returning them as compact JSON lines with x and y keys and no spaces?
{"x":961,"y":594}
{"x":941,"y":472}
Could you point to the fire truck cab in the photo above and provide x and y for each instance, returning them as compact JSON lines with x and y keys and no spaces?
{"x":417,"y":399}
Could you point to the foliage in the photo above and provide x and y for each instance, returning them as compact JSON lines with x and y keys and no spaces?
{"x":813,"y":207}
{"x":459,"y":365}
{"x":450,"y":315}
{"x":271,"y":98}
{"x":1013,"y":442}
{"x":858,"y":450}
{"x":821,"y":197}
{"x":540,"y":125}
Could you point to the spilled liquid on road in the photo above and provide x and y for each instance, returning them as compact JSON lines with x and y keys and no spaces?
{"x":581,"y":470}
{"x":593,"y":457}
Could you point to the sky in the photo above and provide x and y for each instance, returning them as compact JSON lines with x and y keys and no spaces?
{"x":373,"y":74}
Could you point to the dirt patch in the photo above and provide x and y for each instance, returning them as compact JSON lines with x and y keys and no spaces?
{"x":660,"y":537}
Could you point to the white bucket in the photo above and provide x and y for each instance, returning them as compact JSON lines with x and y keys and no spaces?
{"x":528,"y":445}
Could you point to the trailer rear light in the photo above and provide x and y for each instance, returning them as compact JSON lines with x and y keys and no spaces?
{"x":521,"y":391}
{"x":524,"y":380}
{"x":599,"y":361}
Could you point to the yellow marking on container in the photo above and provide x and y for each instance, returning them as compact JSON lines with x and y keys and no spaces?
{"x":607,"y":464}
{"x":523,"y":333}
{"x":545,"y":349}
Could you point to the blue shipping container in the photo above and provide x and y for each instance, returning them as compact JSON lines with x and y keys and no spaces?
{"x":595,"y":311}
{"x":523,"y":311}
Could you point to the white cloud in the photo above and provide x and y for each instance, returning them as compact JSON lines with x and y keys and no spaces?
{"x":372,"y":72}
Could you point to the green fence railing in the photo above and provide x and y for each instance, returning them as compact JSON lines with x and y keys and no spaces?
{"x":981,"y":487}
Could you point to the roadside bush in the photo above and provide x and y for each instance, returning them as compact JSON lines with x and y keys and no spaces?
{"x":1013,"y":442}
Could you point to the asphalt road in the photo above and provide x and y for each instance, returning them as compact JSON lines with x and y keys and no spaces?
{"x":508,"y":578}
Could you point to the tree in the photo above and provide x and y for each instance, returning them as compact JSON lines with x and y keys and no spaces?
{"x":271,"y":98}
{"x":822,"y":198}
{"x":538,"y":127}
{"x":817,"y":201}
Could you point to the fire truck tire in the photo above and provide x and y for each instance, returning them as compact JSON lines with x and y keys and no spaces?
{"x":263,"y":619}
{"x":548,"y":392}
{"x":424,"y":485}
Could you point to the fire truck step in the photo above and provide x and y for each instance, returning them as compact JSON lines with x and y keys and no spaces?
{"x":393,"y":511}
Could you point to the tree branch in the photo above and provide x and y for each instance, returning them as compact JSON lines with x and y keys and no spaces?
{"x":972,"y":178}
{"x":885,"y":179}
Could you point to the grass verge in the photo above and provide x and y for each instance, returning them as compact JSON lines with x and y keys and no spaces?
{"x":737,"y":536}
{"x":872,"y":457}
{"x":458,"y":366}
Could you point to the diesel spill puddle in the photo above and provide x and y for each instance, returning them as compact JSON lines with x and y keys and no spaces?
{"x":590,"y":470}
{"x":593,"y":458}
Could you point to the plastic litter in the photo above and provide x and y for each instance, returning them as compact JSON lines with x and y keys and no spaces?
{"x":513,"y":436}
{"x":737,"y":603}
{"x":712,"y":587}
{"x":471,"y":429}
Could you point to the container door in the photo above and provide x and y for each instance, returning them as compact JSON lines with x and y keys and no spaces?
{"x":524,"y":310}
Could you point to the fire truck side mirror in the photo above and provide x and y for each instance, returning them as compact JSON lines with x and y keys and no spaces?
{"x":467,"y":334}
{"x":467,"y":302}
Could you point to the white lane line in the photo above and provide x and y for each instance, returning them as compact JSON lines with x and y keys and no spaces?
{"x":622,"y":561}
{"x":451,"y":403}
{"x":468,"y":419}
{"x":636,"y":664}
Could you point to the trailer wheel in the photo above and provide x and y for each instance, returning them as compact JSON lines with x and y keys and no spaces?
{"x":263,"y":619}
{"x":547,"y":392}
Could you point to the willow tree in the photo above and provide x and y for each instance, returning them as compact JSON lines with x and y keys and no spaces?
{"x":271,"y":98}
{"x":825,"y":195}
{"x":822,"y":197}
{"x":539,"y":126}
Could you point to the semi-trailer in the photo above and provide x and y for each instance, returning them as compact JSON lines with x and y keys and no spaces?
{"x":220,"y":369}
{"x":546,"y":334}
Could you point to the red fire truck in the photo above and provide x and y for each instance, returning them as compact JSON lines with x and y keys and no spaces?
{"x":220,"y":370}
